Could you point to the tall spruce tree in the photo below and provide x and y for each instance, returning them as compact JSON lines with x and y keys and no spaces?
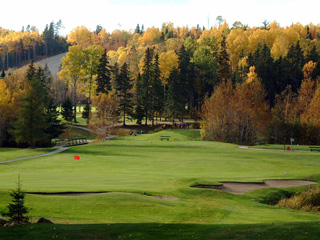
{"x":187,"y":76}
{"x":138,"y":108}
{"x":146,"y":82}
{"x":103,"y":76}
{"x":67,"y":110}
{"x":54,"y":126}
{"x":156,"y":90}
{"x":175,"y":105}
{"x":124,"y":94}
{"x":224,"y":68}
{"x":31,"y":125}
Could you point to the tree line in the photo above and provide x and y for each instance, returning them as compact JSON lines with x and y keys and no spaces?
{"x":20,"y":47}
{"x":172,"y":73}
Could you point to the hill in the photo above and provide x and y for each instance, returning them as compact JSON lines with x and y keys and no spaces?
{"x":53,"y":63}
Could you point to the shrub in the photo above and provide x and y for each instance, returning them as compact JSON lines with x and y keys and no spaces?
{"x":274,"y":197}
{"x":16,"y":210}
{"x":308,"y":200}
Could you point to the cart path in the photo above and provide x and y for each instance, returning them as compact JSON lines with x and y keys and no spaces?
{"x":60,"y":149}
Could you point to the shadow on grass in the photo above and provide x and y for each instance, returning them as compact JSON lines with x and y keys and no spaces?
{"x":157,"y":231}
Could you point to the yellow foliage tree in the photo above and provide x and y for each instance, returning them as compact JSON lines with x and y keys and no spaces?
{"x":81,"y":36}
{"x":167,"y":60}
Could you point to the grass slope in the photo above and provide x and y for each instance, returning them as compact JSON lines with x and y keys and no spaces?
{"x":131,"y":168}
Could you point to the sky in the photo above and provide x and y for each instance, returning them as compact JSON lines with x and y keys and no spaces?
{"x":126,"y":14}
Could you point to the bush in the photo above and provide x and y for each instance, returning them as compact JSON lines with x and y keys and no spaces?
{"x":274,"y":197}
{"x":308,"y":200}
{"x":16,"y":209}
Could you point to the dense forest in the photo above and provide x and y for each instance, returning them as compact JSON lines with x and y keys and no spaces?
{"x":247,"y":83}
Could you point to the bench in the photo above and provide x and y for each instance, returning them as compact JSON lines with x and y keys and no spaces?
{"x":315,"y":149}
{"x":260,"y":142}
{"x":165,"y":138}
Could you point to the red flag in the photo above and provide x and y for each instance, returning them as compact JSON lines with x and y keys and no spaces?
{"x":76,"y":157}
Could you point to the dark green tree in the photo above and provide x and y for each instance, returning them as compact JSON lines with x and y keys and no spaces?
{"x":265,"y":69}
{"x":156,"y":90}
{"x":86,"y":112}
{"x":124,"y":92}
{"x":294,"y":63}
{"x":187,"y":77}
{"x":67,"y":110}
{"x":224,"y":68}
{"x":31,"y":71}
{"x":103,"y":76}
{"x":175,"y":106}
{"x":137,"y":30}
{"x":31,"y":124}
{"x":146,"y":82}
{"x":16,"y":210}
{"x":3,"y":74}
{"x":138,"y":109}
{"x":115,"y":72}
{"x":54,"y":126}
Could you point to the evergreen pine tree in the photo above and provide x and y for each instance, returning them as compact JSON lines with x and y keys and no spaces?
{"x":86,"y":112}
{"x":31,"y":125}
{"x":55,"y":127}
{"x":16,"y":209}
{"x":156,"y":89}
{"x":146,"y":82}
{"x":103,"y":76}
{"x":224,"y":68}
{"x":124,"y":87}
{"x":138,"y":110}
{"x":31,"y":71}
{"x":115,"y":71}
{"x":187,"y":76}
{"x":3,"y":74}
{"x":175,"y":107}
{"x":67,"y":110}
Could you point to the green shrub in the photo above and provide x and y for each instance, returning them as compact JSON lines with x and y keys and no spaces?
{"x":274,"y":197}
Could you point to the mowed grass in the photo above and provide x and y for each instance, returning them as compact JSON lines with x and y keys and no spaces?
{"x":130,"y":170}
{"x":11,"y":153}
{"x":281,"y":147}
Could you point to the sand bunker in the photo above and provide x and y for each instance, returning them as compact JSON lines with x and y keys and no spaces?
{"x":241,"y":188}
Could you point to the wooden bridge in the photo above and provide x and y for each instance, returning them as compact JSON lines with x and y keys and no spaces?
{"x":70,"y":142}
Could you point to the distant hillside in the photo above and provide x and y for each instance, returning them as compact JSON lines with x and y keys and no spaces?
{"x":53,"y":63}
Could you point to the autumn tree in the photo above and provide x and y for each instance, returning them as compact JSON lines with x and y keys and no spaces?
{"x":105,"y":117}
{"x":72,"y":71}
{"x":93,"y":55}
